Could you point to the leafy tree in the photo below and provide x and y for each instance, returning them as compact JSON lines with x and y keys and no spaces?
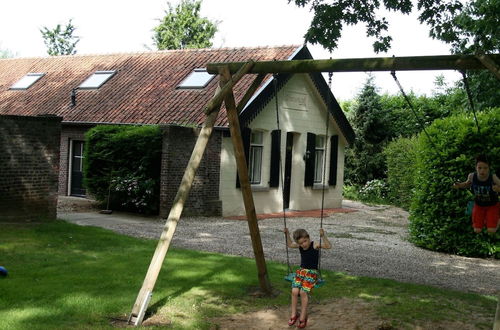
{"x":404,"y":123}
{"x":182,"y":27}
{"x":60,"y":41}
{"x":331,"y":16}
{"x":474,"y":30}
{"x":472,"y":26}
{"x":471,"y":30}
{"x":6,"y":53}
{"x":468,"y":27}
{"x":364,"y":160}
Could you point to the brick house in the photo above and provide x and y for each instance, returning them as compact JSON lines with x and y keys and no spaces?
{"x":170,"y":88}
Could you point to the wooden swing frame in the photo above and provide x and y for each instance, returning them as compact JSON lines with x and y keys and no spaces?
{"x":230,"y":74}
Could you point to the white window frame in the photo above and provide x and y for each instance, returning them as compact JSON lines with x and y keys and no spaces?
{"x":255,"y":163}
{"x":27,"y":81}
{"x":96,"y":80}
{"x":192,"y":80}
{"x":319,"y":153}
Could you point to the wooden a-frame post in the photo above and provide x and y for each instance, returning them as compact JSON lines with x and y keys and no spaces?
{"x":212,"y":111}
{"x":246,"y":190}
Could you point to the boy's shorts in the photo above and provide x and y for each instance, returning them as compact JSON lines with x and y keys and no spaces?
{"x":305,"y":279}
{"x":485,"y":215}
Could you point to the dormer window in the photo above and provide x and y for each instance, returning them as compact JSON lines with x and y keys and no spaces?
{"x":96,"y":80}
{"x":26,"y":81}
{"x":197,"y":79}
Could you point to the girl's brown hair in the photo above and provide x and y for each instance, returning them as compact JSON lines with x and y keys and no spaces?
{"x":300,"y":233}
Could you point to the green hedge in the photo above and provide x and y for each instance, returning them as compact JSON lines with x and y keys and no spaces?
{"x":127,"y":159}
{"x":401,"y":157}
{"x":437,"y":215}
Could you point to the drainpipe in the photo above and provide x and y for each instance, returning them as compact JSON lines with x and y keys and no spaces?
{"x":73,"y":97}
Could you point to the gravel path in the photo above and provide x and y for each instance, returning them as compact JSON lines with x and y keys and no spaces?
{"x":370,"y":242}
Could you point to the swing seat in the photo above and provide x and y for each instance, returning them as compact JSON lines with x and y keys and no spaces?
{"x":319,"y":283}
{"x":468,"y":210}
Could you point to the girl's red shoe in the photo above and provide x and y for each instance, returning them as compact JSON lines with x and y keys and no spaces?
{"x":293,"y":320}
{"x":302,"y":324}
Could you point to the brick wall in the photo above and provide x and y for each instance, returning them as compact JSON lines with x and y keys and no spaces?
{"x":29,"y":166}
{"x":178,"y":143}
{"x":68,"y":133}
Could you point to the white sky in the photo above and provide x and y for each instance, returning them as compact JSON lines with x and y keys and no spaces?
{"x":111,"y":26}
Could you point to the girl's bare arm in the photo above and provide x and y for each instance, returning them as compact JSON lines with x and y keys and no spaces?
{"x":325,"y":243}
{"x":289,"y":242}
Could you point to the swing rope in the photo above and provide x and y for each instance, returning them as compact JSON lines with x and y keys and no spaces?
{"x":328,"y":105}
{"x":275,"y":84}
{"x":471,"y":105}
{"x":290,"y":275}
{"x":469,"y":97}
{"x":419,"y":120}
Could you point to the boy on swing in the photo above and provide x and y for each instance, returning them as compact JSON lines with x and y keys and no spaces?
{"x":307,"y":275}
{"x":485,"y":186}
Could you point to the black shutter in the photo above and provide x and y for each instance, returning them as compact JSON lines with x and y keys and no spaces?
{"x":274,"y":174}
{"x":245,"y":136}
{"x":310,"y":159}
{"x":334,"y":153}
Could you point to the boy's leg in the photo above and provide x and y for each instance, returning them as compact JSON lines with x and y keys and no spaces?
{"x":478,"y":218}
{"x":492,"y":215}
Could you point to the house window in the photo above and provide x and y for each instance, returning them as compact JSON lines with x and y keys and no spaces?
{"x":255,"y":164}
{"x":96,"y":80}
{"x":197,"y":79}
{"x":26,"y":81}
{"x":319,"y":154}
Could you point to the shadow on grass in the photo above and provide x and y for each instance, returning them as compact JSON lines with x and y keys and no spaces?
{"x":65,"y":276}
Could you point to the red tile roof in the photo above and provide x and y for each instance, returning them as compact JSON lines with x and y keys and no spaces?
{"x":142,"y":91}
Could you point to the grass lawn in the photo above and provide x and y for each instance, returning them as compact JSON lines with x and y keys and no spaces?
{"x":63,"y":276}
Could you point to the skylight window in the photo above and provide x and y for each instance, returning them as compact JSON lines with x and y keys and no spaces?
{"x":199,"y":78}
{"x":96,"y":80}
{"x":28,"y":80}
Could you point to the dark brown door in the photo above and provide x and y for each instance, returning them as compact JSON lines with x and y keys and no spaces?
{"x":288,"y":170}
{"x":77,"y":188}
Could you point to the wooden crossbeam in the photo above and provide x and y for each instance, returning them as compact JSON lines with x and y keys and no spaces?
{"x":409,"y":63}
{"x":490,"y":64}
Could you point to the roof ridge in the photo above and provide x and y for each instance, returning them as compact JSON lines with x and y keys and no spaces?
{"x":147,"y":52}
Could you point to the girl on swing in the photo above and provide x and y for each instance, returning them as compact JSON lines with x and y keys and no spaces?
{"x":485,"y":186}
{"x":307,"y":275}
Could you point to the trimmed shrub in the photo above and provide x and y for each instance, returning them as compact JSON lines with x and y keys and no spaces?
{"x":437,"y":215}
{"x":401,"y":157}
{"x":126,"y":161}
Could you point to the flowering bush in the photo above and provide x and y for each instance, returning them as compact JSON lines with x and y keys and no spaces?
{"x":122,"y":163}
{"x":134,"y":193}
{"x":374,"y":190}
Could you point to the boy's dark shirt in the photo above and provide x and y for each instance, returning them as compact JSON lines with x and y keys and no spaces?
{"x":484,"y":195}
